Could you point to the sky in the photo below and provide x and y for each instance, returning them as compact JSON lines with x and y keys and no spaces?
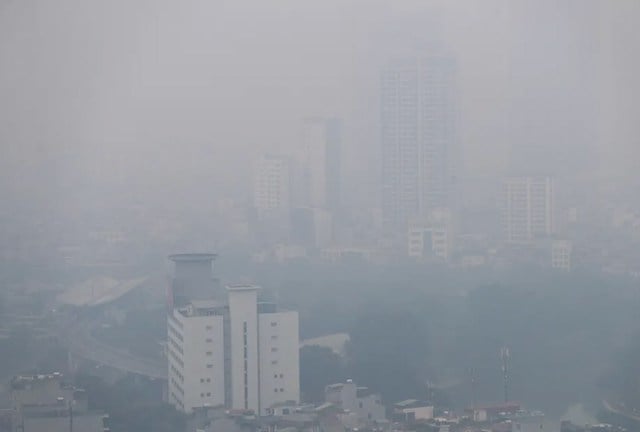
{"x":165,"y":95}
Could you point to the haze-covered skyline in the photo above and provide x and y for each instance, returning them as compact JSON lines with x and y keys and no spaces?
{"x":93,"y":91}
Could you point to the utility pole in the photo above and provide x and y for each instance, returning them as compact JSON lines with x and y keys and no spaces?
{"x":505,"y":355}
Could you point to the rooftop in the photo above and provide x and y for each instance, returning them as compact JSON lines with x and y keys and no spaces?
{"x":242,"y":287}
{"x":411,"y":403}
{"x":193,"y":257}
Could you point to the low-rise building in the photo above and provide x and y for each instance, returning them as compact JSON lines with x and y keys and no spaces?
{"x":46,"y":403}
{"x":412,"y":410}
{"x":362,"y":401}
{"x":561,"y":251}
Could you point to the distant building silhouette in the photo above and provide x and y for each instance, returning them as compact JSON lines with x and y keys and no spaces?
{"x":418,"y":138}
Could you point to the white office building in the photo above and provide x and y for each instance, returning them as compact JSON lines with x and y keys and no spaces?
{"x":242,"y":355}
{"x":195,"y":352}
{"x":527,"y":209}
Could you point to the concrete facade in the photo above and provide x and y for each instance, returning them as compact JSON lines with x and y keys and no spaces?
{"x":195,"y":352}
{"x":242,"y":355}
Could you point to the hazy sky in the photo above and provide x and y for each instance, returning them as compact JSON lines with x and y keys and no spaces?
{"x":159,"y":92}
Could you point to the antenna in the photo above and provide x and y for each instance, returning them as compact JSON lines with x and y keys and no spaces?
{"x":505,"y":355}
{"x":474,"y":389}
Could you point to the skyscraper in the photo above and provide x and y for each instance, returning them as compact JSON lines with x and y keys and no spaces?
{"x":272,"y":191}
{"x":318,"y":169}
{"x":528,"y":209}
{"x":418,"y":122}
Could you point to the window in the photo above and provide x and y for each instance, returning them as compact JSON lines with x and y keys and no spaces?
{"x":201,"y":380}
{"x":208,"y":380}
{"x":274,"y":337}
{"x":274,"y":362}
{"x":281,"y":389}
{"x":209,"y":327}
{"x":274,"y":349}
{"x":201,"y":394}
{"x":209,"y":366}
{"x":360,"y":404}
{"x":273,"y":323}
{"x":209,"y":340}
{"x":275,"y":390}
{"x":209,"y":353}
{"x":209,"y":394}
{"x":281,"y":375}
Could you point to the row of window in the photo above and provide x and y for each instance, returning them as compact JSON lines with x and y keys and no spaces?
{"x":177,"y":372}
{"x":174,"y":332}
{"x":176,"y":358}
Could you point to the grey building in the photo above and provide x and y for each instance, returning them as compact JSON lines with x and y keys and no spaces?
{"x":418,"y":137}
{"x":362,"y":401}
{"x":47,"y":403}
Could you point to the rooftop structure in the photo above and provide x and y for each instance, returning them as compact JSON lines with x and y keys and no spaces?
{"x":193,"y":278}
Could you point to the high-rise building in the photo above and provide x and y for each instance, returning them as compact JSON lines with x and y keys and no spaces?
{"x":418,"y":137}
{"x":196,"y":356}
{"x":272,"y":186}
{"x":264,"y":351}
{"x":527,"y":209}
{"x":242,"y":354}
{"x":318,"y":164}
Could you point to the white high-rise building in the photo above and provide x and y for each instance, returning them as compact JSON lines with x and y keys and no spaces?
{"x":242,"y":355}
{"x":272,"y":191}
{"x":195,"y":352}
{"x":418,"y":139}
{"x":528,"y":209}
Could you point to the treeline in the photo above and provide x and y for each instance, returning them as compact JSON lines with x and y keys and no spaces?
{"x":412,"y":325}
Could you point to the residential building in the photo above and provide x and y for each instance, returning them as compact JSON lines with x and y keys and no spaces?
{"x":366,"y":404}
{"x":242,"y":354}
{"x":47,"y":403}
{"x":418,"y":137}
{"x":561,"y":252}
{"x":432,"y":239}
{"x":527,"y":209}
{"x":412,"y":410}
{"x":272,"y":186}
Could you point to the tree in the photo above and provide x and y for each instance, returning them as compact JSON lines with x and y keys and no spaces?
{"x":319,"y":367}
{"x":389,"y":353}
